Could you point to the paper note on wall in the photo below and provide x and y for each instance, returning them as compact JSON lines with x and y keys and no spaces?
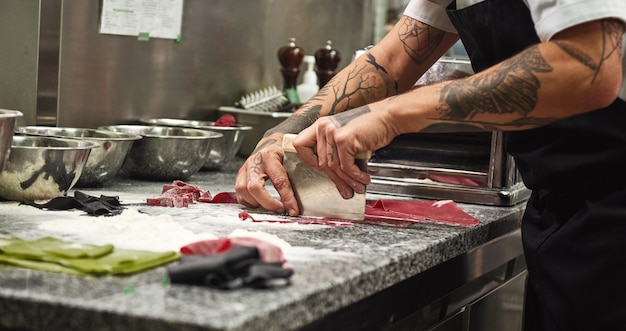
{"x":142,"y":18}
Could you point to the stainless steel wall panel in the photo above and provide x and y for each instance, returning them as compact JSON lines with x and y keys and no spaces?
{"x":228,"y":48}
{"x":19,"y":37}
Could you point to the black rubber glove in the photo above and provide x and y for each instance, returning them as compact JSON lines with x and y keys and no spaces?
{"x":239,"y":266}
{"x":102,"y":206}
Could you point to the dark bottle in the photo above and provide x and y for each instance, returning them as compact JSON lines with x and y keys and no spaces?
{"x":327,"y":59}
{"x":290,"y":57}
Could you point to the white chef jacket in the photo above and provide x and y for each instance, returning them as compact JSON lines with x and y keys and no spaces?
{"x":550,"y":16}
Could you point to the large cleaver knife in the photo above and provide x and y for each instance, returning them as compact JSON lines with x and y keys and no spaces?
{"x":316,"y":193}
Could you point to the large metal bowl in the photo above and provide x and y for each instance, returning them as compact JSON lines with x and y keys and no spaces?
{"x":260,"y":121}
{"x":7,"y":125}
{"x":104,"y":162}
{"x":166,"y":153}
{"x":42,"y":168}
{"x":222,"y":150}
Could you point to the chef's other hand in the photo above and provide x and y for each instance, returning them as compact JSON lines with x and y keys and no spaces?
{"x":266,"y":162}
{"x":332,"y":142}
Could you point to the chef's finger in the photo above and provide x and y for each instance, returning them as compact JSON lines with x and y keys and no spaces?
{"x":278,"y":176}
{"x":241,"y":189}
{"x":305,"y":143}
{"x":250,"y":185}
{"x":343,"y":187}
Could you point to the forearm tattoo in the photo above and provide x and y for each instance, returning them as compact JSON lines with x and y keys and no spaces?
{"x":424,"y":36}
{"x":512,"y":89}
{"x":362,"y":84}
{"x":344,"y":118}
{"x":612,"y":32}
{"x":298,"y":121}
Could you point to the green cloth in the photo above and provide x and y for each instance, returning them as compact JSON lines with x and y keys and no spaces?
{"x":51,"y":254}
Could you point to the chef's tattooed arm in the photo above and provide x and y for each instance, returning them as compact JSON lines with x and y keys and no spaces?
{"x":540,"y":85}
{"x":410,"y":49}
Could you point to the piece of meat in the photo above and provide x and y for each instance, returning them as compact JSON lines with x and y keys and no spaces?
{"x":178,"y":194}
{"x":227,"y":120}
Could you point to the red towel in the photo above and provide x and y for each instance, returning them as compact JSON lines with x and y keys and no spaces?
{"x":404,"y":213}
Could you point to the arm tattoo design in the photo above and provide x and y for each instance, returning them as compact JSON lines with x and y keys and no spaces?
{"x":513,"y":89}
{"x":612,"y":31}
{"x":297,"y":122}
{"x":360,"y":82}
{"x":425,"y":37}
{"x":344,"y":118}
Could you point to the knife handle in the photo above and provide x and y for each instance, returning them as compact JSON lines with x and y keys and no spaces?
{"x":288,"y":147}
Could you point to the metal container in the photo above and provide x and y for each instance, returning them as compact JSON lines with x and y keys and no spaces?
{"x":166,"y":153}
{"x":104,"y":162}
{"x":260,"y":121}
{"x":42,"y":168}
{"x":222,"y":149}
{"x":8,"y":118}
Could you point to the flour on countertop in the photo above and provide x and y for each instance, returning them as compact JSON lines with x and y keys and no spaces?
{"x":131,"y":230}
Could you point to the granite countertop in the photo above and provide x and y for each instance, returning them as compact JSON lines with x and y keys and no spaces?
{"x":335,"y":266}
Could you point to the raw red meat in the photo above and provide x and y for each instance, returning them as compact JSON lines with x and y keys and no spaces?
{"x":180,"y":194}
{"x":226,"y":120}
{"x":267,"y":251}
{"x":222,"y":197}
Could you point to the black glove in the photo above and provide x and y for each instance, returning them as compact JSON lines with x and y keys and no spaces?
{"x":239,"y":266}
{"x":102,"y":206}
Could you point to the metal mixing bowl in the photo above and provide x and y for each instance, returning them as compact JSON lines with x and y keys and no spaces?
{"x":42,"y":168}
{"x":222,"y":150}
{"x":166,"y":153}
{"x":104,"y":162}
{"x":7,"y":125}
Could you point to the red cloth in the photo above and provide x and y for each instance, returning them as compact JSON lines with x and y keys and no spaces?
{"x":406,"y":212}
{"x":268,"y":252}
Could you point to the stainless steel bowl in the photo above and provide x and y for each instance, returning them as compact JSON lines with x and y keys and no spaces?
{"x":42,"y":168}
{"x":7,"y":125}
{"x":104,"y":162}
{"x":260,"y":121}
{"x":166,"y":153}
{"x":222,"y":150}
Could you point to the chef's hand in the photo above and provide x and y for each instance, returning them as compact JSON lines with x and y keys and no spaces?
{"x":266,"y":162}
{"x":332,"y":142}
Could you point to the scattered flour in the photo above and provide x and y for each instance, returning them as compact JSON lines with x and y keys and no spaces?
{"x":131,"y":230}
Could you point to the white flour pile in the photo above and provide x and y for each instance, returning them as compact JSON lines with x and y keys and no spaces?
{"x":131,"y":230}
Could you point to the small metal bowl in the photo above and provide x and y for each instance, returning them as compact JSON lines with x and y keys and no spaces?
{"x":104,"y":162}
{"x":42,"y":168}
{"x":7,"y":125}
{"x":165,"y":153}
{"x":222,"y":150}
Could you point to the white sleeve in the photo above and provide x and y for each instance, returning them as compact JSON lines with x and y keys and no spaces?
{"x":432,"y":12}
{"x":552,"y":16}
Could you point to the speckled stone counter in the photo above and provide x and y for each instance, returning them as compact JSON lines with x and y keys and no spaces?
{"x":335,"y":267}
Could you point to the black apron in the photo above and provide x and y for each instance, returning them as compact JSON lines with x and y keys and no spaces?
{"x":574,"y":227}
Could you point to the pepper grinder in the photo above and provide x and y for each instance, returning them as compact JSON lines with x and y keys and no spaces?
{"x":290,"y":57}
{"x":327,"y":60}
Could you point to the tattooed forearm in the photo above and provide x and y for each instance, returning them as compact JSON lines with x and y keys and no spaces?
{"x":511,"y":90}
{"x":361,"y":85}
{"x":612,"y":32}
{"x":372,"y":60}
{"x":344,"y":118}
{"x":297,"y":122}
{"x":425,"y":37}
